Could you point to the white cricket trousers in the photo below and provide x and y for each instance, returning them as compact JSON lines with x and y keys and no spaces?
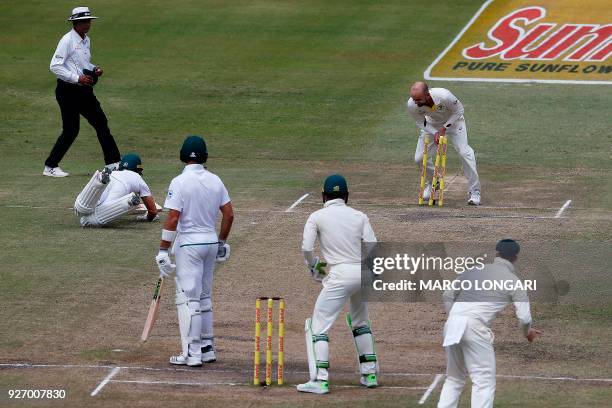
{"x":459,"y":140}
{"x":195,"y":255}
{"x":93,"y":214}
{"x":342,"y":284}
{"x":473,"y":356}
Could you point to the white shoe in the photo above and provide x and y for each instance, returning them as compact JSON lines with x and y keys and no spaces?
{"x":208,"y":354}
{"x":192,"y":361}
{"x":369,"y":380}
{"x":427,"y":192}
{"x":86,"y":221}
{"x":54,"y":172}
{"x":314,"y":387}
{"x":474,"y":198}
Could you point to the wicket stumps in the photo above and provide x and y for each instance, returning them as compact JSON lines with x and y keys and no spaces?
{"x":437,"y":182}
{"x":269,"y":333}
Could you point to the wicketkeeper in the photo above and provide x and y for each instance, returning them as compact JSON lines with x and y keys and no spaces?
{"x":194,"y":200}
{"x":111,"y":194}
{"x":341,"y":231}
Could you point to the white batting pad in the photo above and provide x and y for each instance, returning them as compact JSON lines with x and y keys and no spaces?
{"x":106,"y":212}
{"x":190,"y":322}
{"x":86,"y":201}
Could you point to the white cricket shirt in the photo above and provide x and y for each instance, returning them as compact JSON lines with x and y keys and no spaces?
{"x":72,"y":55}
{"x":446,"y":112}
{"x":485,"y":305}
{"x":124,"y":182}
{"x":341,"y":230}
{"x":197,"y":194}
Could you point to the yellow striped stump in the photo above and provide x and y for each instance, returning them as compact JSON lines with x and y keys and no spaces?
{"x":269,"y":340}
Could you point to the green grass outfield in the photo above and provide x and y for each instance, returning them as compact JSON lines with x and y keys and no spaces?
{"x":280,"y":90}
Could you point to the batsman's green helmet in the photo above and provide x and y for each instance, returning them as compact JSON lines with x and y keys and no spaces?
{"x":130,"y":161}
{"x":335,"y":184}
{"x":194,"y":149}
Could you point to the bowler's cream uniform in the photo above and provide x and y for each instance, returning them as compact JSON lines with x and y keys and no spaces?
{"x":447,"y":112}
{"x":468,"y":340}
{"x":197,"y":194}
{"x":341,"y":231}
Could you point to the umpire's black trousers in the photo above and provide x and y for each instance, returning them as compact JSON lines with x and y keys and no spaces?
{"x":75,"y":100}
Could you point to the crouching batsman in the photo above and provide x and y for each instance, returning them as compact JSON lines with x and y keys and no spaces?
{"x":341,"y":231}
{"x":110,"y":194}
{"x":194,"y":200}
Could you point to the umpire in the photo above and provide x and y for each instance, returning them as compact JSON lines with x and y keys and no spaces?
{"x":76,"y":76}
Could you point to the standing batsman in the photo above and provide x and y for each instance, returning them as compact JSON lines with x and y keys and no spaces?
{"x":194,"y":200}
{"x":437,"y":112}
{"x":341,"y":231}
{"x":76,"y":76}
{"x":468,"y":339}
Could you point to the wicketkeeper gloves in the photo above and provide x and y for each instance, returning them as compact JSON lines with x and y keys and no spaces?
{"x":317,"y":270}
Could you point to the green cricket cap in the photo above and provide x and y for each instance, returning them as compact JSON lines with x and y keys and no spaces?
{"x":130,"y":161}
{"x":335,"y":184}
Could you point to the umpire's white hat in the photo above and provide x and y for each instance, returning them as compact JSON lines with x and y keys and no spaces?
{"x":81,"y":13}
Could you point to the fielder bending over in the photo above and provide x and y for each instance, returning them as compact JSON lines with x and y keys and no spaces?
{"x":468,"y":340}
{"x":110,"y":194}
{"x":438,"y":112}
{"x":341,"y":231}
{"x":194,"y":200}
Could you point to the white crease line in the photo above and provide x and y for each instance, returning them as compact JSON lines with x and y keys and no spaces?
{"x":179,"y":383}
{"x":105,"y":381}
{"x":28,"y":365}
{"x":234,"y":384}
{"x":389,"y":387}
{"x":431,"y":387}
{"x":523,"y":217}
{"x":390,"y":374}
{"x":299,"y":200}
{"x":535,"y":377}
{"x":563,"y":208}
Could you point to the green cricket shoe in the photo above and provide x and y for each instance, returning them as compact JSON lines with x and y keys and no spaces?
{"x":314,"y":387}
{"x":369,"y":380}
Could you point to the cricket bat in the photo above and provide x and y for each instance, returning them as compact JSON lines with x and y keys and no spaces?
{"x":153,"y":310}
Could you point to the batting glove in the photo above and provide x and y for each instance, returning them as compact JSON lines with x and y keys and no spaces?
{"x":165,"y":265}
{"x":317,"y":270}
{"x":145,"y":217}
{"x":223,"y":253}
